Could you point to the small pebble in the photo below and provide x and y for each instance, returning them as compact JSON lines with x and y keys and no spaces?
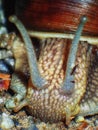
{"x":79,"y":119}
{"x":1,"y":100}
{"x":96,"y":122}
{"x":6,"y":122}
{"x":33,"y":127}
{"x":16,"y":122}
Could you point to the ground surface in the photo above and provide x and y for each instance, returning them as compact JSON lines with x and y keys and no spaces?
{"x":23,"y":121}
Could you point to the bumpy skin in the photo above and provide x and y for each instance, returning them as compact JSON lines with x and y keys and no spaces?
{"x":89,"y":103}
{"x":49,"y":104}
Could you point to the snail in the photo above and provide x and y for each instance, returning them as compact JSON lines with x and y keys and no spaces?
{"x":60,"y":83}
{"x":59,"y":86}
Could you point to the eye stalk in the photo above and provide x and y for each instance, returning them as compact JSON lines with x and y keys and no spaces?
{"x":36,"y":78}
{"x":68,"y":84}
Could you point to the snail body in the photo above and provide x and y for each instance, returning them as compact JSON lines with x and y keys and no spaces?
{"x":50,"y":104}
{"x":46,"y":98}
{"x":90,"y":96}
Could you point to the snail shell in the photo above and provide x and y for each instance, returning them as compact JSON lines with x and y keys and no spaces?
{"x":61,"y":16}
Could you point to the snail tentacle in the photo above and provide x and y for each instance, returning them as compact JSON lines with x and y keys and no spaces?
{"x":68,"y":83}
{"x":36,"y":78}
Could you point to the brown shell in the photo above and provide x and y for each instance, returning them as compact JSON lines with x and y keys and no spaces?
{"x":58,"y":15}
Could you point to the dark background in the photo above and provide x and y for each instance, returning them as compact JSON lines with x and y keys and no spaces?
{"x":9,"y":9}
